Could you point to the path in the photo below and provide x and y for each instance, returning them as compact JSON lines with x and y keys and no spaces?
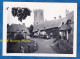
{"x":44,"y":46}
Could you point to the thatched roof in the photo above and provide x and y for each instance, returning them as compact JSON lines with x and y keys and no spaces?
{"x":65,"y":27}
{"x":54,"y":23}
{"x":69,"y":16}
{"x":15,"y":27}
{"x":49,"y":24}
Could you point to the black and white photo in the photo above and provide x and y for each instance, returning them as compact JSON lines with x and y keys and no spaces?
{"x":39,"y":29}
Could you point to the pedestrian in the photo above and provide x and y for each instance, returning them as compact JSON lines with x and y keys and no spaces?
{"x":35,"y":42}
{"x":21,"y":49}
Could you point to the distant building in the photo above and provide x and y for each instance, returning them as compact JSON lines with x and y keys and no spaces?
{"x":56,"y":27}
{"x":68,"y":27}
{"x":14,"y":29}
{"x":49,"y":27}
{"x":38,"y":17}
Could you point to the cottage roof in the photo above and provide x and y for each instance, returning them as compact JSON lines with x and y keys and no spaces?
{"x":65,"y":27}
{"x":69,"y":16}
{"x":54,"y":23}
{"x":49,"y":24}
{"x":15,"y":27}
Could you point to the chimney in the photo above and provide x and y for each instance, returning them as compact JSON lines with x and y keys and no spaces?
{"x":67,"y":11}
{"x":62,"y":23}
{"x":54,"y":17}
{"x":60,"y":17}
{"x":23,"y":23}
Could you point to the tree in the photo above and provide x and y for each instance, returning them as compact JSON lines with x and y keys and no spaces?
{"x":21,"y":13}
{"x":8,"y":25}
{"x":31,"y":30}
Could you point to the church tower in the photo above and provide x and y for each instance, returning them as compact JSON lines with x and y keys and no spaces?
{"x":38,"y":17}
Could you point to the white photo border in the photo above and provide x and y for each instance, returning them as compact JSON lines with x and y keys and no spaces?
{"x":4,"y":51}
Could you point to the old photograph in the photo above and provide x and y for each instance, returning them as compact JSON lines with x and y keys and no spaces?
{"x":39,"y":28}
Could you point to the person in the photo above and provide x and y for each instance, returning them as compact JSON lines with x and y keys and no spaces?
{"x":21,"y":49}
{"x":34,"y":42}
{"x":51,"y":35}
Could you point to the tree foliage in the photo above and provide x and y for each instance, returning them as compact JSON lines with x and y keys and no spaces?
{"x":8,"y":25}
{"x":31,"y":30}
{"x":21,"y":13}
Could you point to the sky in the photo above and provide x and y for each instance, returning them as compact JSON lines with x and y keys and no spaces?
{"x":51,"y":10}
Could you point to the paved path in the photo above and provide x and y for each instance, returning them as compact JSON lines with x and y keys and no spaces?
{"x":44,"y":46}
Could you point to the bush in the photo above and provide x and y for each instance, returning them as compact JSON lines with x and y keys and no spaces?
{"x":64,"y":46}
{"x":57,"y":38}
{"x":28,"y":47}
